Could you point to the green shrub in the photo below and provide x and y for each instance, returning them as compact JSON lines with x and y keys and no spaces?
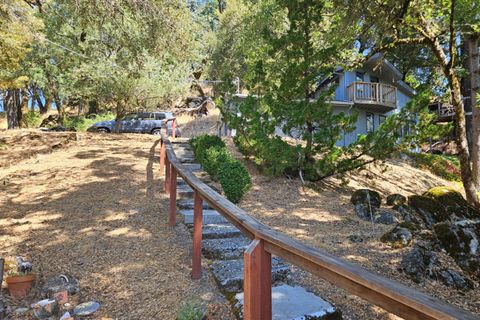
{"x":235,"y":180}
{"x":82,"y":123}
{"x":191,"y":310}
{"x":214,"y":156}
{"x":32,"y":119}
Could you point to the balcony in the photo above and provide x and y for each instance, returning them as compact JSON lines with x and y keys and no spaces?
{"x":373,"y":96}
{"x":444,"y":112}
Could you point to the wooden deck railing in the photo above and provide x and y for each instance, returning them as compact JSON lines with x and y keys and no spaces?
{"x":385,"y":293}
{"x":372,"y":93}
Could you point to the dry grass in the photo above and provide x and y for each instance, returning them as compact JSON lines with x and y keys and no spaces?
{"x":95,"y":210}
{"x":194,"y":126}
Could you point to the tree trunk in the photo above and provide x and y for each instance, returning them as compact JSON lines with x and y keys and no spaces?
{"x":461,"y":138}
{"x":120,"y":115}
{"x":473,"y":71}
{"x":11,"y":106}
{"x":48,"y":105}
{"x":92,"y":107}
{"x":23,"y":109}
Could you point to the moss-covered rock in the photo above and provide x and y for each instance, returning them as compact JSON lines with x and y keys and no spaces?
{"x":366,"y":196}
{"x":428,"y":209}
{"x":398,"y":237}
{"x":453,"y":202}
{"x":407,"y":213}
{"x":396,"y":199}
{"x":409,"y":225}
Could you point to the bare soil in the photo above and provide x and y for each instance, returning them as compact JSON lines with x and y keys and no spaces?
{"x":322,"y":216}
{"x":95,"y":210}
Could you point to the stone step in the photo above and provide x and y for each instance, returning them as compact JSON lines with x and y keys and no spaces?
{"x":229,"y":273}
{"x":187,"y":204}
{"x":184,"y":194}
{"x":180,"y":141}
{"x":225,"y":249}
{"x":220,"y":231}
{"x":209,"y":217}
{"x":295,"y":303}
{"x":193,"y":166}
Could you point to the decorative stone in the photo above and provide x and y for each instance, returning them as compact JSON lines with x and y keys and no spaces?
{"x":428,"y":209}
{"x":385,"y":217}
{"x":419,"y":263}
{"x":398,"y":237}
{"x":60,"y":283}
{"x":86,"y":309}
{"x":453,"y":279}
{"x":366,"y":197}
{"x":461,"y":240}
{"x":21,"y":311}
{"x":396,"y":199}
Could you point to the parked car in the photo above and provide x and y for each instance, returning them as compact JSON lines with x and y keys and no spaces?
{"x":140,"y":122}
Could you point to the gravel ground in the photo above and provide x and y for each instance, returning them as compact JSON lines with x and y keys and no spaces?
{"x":321,"y":215}
{"x":95,"y":210}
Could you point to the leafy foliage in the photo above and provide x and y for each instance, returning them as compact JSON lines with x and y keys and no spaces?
{"x":215,"y":158}
{"x":191,"y":310}
{"x":235,"y":180}
{"x":447,"y":167}
{"x":82,"y":123}
{"x":32,"y":119}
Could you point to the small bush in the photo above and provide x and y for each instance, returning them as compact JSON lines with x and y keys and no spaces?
{"x":82,"y":123}
{"x":447,"y":167}
{"x":191,"y":310}
{"x":214,"y":157}
{"x":32,"y":119}
{"x":235,"y":180}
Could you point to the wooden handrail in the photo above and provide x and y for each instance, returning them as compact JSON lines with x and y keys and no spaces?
{"x":386,"y":293}
{"x":372,"y":92}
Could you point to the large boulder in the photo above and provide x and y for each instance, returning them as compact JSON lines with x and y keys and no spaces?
{"x":453,"y":203}
{"x":428,"y":209}
{"x":396,"y":199}
{"x":366,"y":202}
{"x":398,"y":237}
{"x":461,"y":240}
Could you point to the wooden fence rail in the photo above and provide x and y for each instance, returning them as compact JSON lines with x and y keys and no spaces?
{"x":383,"y":292}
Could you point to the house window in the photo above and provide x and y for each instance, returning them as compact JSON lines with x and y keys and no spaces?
{"x":359,"y":76}
{"x":370,"y":124}
{"x":374,"y":79}
{"x":381,"y":119}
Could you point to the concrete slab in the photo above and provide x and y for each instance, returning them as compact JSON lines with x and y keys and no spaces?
{"x":187,"y":204}
{"x":225,"y":249}
{"x":295,"y":303}
{"x":192,"y":166}
{"x":219,"y":231}
{"x":209,"y":217}
{"x":229,"y":274}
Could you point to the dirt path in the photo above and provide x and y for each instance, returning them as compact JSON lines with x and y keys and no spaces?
{"x":95,"y":210}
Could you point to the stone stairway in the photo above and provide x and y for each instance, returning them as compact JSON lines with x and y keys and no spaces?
{"x":224,"y":245}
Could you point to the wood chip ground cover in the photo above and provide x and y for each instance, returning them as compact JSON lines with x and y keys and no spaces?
{"x":322,"y":216}
{"x":95,"y":210}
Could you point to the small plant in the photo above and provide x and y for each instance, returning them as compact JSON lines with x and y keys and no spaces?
{"x":447,"y":167}
{"x":235,"y":180}
{"x":214,"y":157}
{"x":191,"y":310}
{"x":82,"y":123}
{"x":32,"y":119}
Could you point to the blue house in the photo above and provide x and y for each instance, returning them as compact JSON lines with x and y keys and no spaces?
{"x":374,"y":91}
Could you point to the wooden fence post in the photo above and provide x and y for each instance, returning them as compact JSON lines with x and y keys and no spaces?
{"x":162,"y":158}
{"x":174,"y":128}
{"x":167,"y":175}
{"x":172,"y":210}
{"x":197,"y":236}
{"x":257,"y":282}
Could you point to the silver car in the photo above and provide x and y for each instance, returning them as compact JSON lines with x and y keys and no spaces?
{"x":140,"y":122}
